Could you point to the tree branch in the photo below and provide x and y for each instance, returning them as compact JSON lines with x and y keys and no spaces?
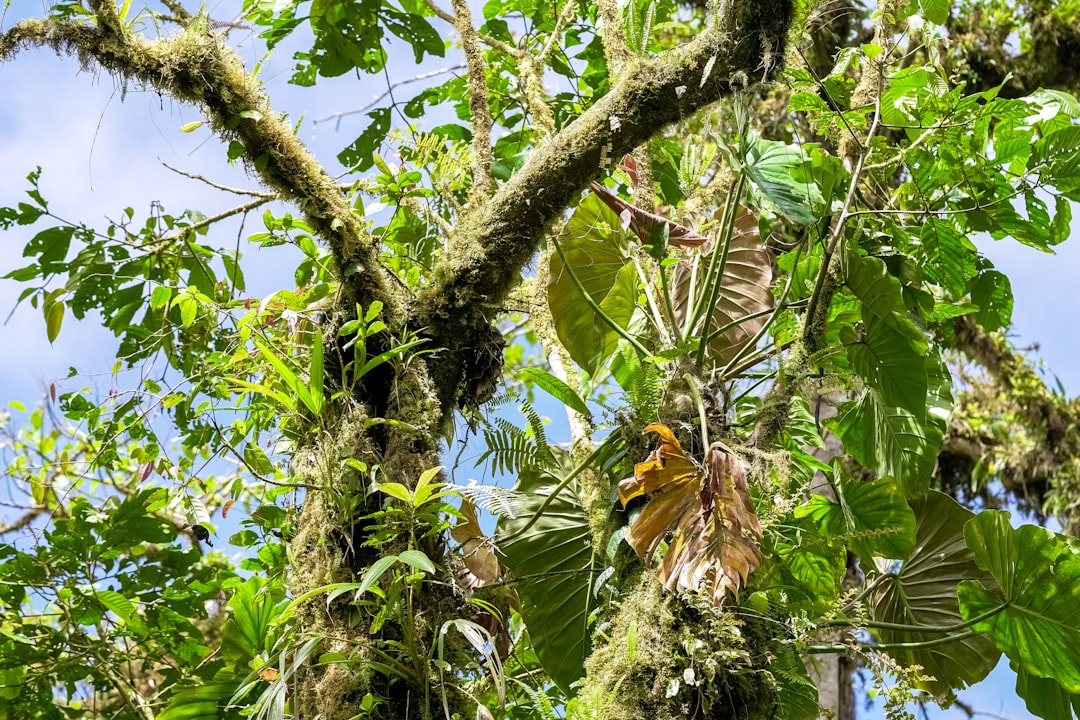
{"x":196,"y":66}
{"x":501,"y":237}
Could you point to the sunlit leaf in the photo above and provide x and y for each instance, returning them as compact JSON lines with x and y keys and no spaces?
{"x":1036,"y":583}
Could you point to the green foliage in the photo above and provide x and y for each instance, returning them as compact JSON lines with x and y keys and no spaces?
{"x":547,"y":545}
{"x":923,"y":594}
{"x":806,"y":244}
{"x":1029,"y":609}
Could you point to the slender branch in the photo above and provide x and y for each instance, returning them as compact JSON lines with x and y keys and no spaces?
{"x":483,"y":183}
{"x":196,"y":66}
{"x":389,"y":89}
{"x":207,"y":222}
{"x":219,"y":186}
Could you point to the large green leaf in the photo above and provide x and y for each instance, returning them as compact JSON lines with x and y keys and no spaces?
{"x":885,"y":358}
{"x":1037,"y":576}
{"x":924,"y":593}
{"x":769,"y":165}
{"x":1045,"y":697}
{"x":553,"y":563}
{"x":890,"y":441}
{"x":595,"y":249}
{"x":870,"y":281}
{"x":873,"y":517}
{"x":208,"y":701}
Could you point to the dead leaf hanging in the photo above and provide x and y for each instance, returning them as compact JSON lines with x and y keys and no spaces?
{"x":642,"y":222}
{"x":480,"y":562}
{"x":744,"y":296}
{"x":713,"y":549}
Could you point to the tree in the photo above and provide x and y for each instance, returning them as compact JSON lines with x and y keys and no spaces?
{"x":716,"y":231}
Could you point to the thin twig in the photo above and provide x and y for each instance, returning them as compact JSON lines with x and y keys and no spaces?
{"x":219,"y":186}
{"x":389,"y":89}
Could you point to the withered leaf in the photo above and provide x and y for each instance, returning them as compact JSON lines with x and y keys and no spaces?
{"x":480,"y":560}
{"x":642,"y":222}
{"x":713,"y":549}
{"x":744,"y":296}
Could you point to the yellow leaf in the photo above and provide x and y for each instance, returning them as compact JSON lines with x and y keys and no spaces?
{"x":191,"y":126}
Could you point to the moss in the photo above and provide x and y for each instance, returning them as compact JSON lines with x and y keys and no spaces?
{"x":667,"y":657}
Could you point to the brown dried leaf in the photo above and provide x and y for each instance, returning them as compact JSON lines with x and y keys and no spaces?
{"x":480,"y":560}
{"x":642,"y":222}
{"x":712,"y":550}
{"x":744,"y":291}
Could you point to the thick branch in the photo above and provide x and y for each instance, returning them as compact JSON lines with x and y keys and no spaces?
{"x":1037,"y":461}
{"x":498,"y":240}
{"x":196,"y":66}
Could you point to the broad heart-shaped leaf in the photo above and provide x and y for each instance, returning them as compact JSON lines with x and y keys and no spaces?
{"x":595,"y":248}
{"x":890,"y":441}
{"x":924,"y":593}
{"x":554,"y":565}
{"x":769,"y":165}
{"x":888,"y":359}
{"x":1037,"y":576}
{"x":873,"y":517}
{"x":870,"y":281}
{"x":744,"y":292}
{"x":1045,"y":697}
{"x":710,"y":511}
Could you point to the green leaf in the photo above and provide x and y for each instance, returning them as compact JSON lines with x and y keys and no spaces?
{"x":1045,"y":697}
{"x":890,"y":441}
{"x":160,"y":297}
{"x":869,"y":279}
{"x":396,"y":490}
{"x":873,"y":517}
{"x":116,"y":603}
{"x":247,"y":632}
{"x":769,"y":165}
{"x":54,"y":318}
{"x":595,"y":249}
{"x":191,"y":126}
{"x":936,"y":11}
{"x":556,"y":388}
{"x":376,"y":571}
{"x":418,"y":560}
{"x":992,"y":292}
{"x":923,"y":592}
{"x":553,"y":563}
{"x":1037,"y":576}
{"x":886,"y":359}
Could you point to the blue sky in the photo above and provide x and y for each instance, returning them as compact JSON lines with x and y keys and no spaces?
{"x":101,"y":154}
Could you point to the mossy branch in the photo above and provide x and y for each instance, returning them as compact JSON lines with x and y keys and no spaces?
{"x":499,"y":239}
{"x":483,"y":184}
{"x":196,"y":66}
